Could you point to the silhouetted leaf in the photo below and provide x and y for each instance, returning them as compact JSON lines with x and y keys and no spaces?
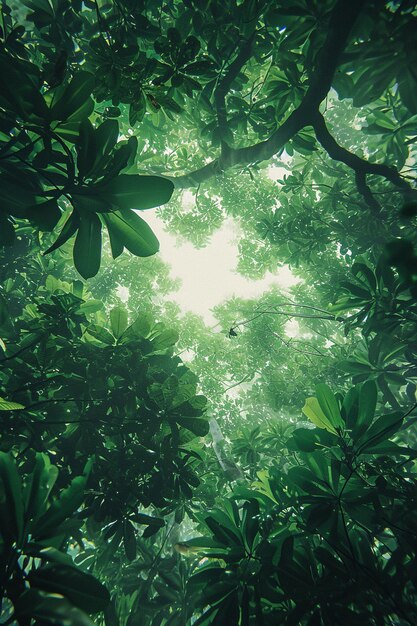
{"x":131,"y":231}
{"x":87,"y":246}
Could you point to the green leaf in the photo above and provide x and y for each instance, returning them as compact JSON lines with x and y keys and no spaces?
{"x":39,"y":486}
{"x":245,"y":607}
{"x":81,"y":589}
{"x":13,"y":494}
{"x":148,"y":520}
{"x":5,"y":405}
{"x":115,"y":243}
{"x":50,"y":555}
{"x":367,"y":405}
{"x":250,"y":522}
{"x":407,"y":85}
{"x":68,"y":502}
{"x":129,"y":540}
{"x":364,"y":273}
{"x":46,"y":215}
{"x":382,"y":429}
{"x":142,"y":326}
{"x":197,"y":426}
{"x":217,"y":519}
{"x":88,"y":201}
{"x":305,"y":439}
{"x":132,"y":231}
{"x":90,"y":306}
{"x":329,"y":405}
{"x":150,"y":531}
{"x":118,"y":321}
{"x":7,"y":234}
{"x":86,"y":149}
{"x":137,"y":109}
{"x":69,"y":228}
{"x":23,"y":97}
{"x":106,"y":136}
{"x":137,"y":192}
{"x":165,"y":339}
{"x":100,"y":333}
{"x":74,"y":103}
{"x":4,"y":311}
{"x":48,"y":609}
{"x":87,"y":246}
{"x":313,"y":411}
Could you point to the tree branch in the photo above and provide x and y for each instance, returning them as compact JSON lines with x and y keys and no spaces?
{"x":343,"y":17}
{"x":225,"y":85}
{"x":361,"y":167}
{"x":290,"y":314}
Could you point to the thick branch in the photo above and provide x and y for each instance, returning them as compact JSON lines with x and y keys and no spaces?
{"x":342,"y":19}
{"x":361,"y":167}
{"x":225,"y":85}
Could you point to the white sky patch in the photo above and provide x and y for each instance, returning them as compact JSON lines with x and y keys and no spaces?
{"x":123,"y":293}
{"x":292,"y":328}
{"x":188,"y":200}
{"x":275,"y":172}
{"x":208,"y":275}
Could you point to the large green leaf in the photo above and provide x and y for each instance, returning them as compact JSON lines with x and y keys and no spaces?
{"x":407,"y":85}
{"x":46,"y":215}
{"x":313,"y":411}
{"x":12,"y":489}
{"x":70,"y":227}
{"x":81,"y":589}
{"x":74,"y":102}
{"x":87,"y":246}
{"x":22,"y":97}
{"x":118,"y":321}
{"x":366,"y":407}
{"x":49,"y":609}
{"x":7,"y":234}
{"x":165,"y":339}
{"x":90,"y":306}
{"x":5,"y":405}
{"x":115,"y":244}
{"x":107,"y":135}
{"x":137,"y":109}
{"x":132,"y":231}
{"x":199,"y":427}
{"x":94,"y":146}
{"x":382,"y":429}
{"x":68,"y":502}
{"x":16,"y":197}
{"x":329,"y":405}
{"x":38,"y":487}
{"x":250,"y":522}
{"x":129,"y":540}
{"x":101,"y":333}
{"x":86,"y":149}
{"x":137,"y":192}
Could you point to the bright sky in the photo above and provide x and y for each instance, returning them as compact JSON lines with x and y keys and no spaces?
{"x":208,"y":275}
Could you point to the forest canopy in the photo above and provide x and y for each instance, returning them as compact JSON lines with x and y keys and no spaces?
{"x":155,"y":471}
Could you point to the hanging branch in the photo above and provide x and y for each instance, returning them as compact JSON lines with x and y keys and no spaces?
{"x":289,"y":315}
{"x":342,"y":20}
{"x":224,"y":86}
{"x":361,"y":167}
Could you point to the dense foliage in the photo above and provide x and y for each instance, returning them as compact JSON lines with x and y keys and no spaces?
{"x":269,"y":475}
